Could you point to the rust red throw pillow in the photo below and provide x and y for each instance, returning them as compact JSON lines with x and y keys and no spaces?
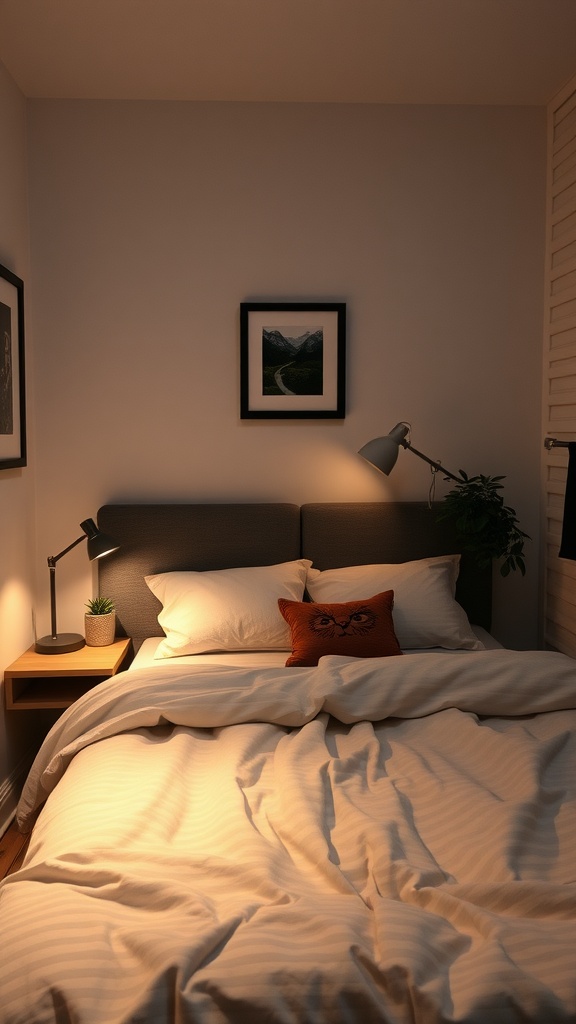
{"x":354,"y":629}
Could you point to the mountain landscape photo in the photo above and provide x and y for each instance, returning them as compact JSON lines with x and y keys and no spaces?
{"x":292,"y":361}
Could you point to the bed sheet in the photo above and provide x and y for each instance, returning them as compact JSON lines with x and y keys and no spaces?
{"x":145,"y":656}
{"x":381,"y":841}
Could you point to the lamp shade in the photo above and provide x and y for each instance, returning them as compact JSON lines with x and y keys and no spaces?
{"x":382,"y":452}
{"x":98,"y":543}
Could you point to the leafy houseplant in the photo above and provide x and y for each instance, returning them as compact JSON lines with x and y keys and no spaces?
{"x":488,"y":527}
{"x":100,"y":622}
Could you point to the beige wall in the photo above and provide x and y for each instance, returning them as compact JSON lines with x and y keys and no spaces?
{"x":16,"y":485}
{"x":151,"y":222}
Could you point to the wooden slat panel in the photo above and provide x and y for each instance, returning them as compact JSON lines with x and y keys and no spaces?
{"x":562,"y":242}
{"x":562,"y":153}
{"x":567,"y":296}
{"x":561,"y":613}
{"x":560,"y":399}
{"x":566,"y":165}
{"x":563,"y":213}
{"x":559,"y":368}
{"x":562,"y":222}
{"x":564,"y":175}
{"x":561,"y":639}
{"x":565,"y":127}
{"x":565,"y":565}
{"x":565,"y":197}
{"x":563,"y":387}
{"x":564,"y":105}
{"x":562,"y":588}
{"x":562,"y":305}
{"x":564,"y":252}
{"x":562,"y":365}
{"x":560,"y":336}
{"x":563,"y":281}
{"x":555,"y":489}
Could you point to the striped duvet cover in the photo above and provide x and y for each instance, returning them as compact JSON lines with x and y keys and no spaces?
{"x":388,"y":840}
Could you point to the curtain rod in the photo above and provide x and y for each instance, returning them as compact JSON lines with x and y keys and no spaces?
{"x":551,"y":442}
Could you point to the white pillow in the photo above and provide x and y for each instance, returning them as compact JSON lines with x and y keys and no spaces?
{"x":425,"y":613}
{"x":226,"y":609}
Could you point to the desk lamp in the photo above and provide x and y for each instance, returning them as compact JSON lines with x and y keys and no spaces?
{"x":99,"y":545}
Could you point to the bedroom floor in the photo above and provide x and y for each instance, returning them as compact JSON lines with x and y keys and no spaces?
{"x":12,"y":849}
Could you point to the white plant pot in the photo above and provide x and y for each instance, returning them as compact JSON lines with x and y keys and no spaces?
{"x":99,"y":630}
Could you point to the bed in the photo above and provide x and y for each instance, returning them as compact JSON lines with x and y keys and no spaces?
{"x":382,"y":830}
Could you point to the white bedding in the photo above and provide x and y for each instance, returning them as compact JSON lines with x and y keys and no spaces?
{"x":387,"y":840}
{"x":145,"y":656}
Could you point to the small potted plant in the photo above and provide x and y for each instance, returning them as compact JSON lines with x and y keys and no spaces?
{"x":100,"y":622}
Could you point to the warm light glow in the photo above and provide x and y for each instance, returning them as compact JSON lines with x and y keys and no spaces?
{"x":13,"y":593}
{"x":357,"y":481}
{"x":15,"y":605}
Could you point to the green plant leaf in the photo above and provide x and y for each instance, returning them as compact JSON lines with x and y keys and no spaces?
{"x":488,"y":528}
{"x":100,"y":606}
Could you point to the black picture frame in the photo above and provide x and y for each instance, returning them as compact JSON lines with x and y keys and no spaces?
{"x":12,"y":372}
{"x":314,"y":334}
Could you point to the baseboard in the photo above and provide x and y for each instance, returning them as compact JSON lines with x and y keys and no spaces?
{"x":11,"y":788}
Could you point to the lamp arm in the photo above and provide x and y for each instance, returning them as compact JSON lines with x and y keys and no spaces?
{"x":435,"y":465}
{"x":52,"y":559}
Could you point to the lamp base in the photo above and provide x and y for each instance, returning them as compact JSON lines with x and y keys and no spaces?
{"x":62,"y":643}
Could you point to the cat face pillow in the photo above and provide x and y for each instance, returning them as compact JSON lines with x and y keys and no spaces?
{"x":352,"y":629}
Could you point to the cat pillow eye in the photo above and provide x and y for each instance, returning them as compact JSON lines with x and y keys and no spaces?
{"x":352,"y":629}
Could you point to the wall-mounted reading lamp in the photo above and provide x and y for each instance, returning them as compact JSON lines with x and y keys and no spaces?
{"x":382,"y":452}
{"x":98,"y":546}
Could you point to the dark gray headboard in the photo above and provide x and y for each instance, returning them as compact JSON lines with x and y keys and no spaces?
{"x":164,"y":538}
{"x":359,"y":533}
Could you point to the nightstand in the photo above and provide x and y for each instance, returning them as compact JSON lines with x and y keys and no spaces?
{"x":57,"y":680}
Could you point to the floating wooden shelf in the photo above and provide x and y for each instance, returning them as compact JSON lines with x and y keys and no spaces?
{"x":37,"y":681}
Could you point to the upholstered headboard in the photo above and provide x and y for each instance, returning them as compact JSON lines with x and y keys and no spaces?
{"x":359,"y":533}
{"x":164,"y":538}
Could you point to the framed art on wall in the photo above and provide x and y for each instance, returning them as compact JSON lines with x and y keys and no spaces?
{"x":292,"y":360}
{"x":12,"y":385}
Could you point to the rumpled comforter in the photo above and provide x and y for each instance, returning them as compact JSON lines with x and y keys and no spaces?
{"x":388,"y":840}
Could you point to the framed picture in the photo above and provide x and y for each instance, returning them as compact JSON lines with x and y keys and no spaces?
{"x":292,"y":360}
{"x":12,"y":384}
